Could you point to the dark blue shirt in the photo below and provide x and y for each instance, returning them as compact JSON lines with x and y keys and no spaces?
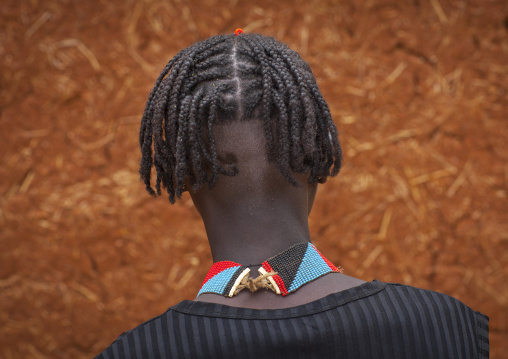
{"x":373,"y":320}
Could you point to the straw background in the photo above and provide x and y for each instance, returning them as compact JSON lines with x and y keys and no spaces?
{"x":418,"y":89}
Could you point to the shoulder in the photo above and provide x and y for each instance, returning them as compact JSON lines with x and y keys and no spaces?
{"x":407,"y":298}
{"x":442,"y":317}
{"x":424,"y":297}
{"x":139,"y":341}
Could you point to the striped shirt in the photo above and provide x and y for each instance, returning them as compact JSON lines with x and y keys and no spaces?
{"x":373,"y":320}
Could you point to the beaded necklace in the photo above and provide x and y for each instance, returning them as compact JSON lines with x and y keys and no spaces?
{"x":283,"y":273}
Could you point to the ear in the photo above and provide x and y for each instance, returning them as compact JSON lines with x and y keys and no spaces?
{"x":311,"y":195}
{"x":322,"y":179}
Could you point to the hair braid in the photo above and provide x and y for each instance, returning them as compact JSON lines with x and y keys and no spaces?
{"x":212,"y":114}
{"x":259,"y":53}
{"x":294,"y":111}
{"x":196,"y":156}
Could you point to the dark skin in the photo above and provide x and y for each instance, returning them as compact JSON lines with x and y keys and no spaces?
{"x":257,"y":214}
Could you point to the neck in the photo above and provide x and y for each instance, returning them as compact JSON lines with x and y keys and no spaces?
{"x":247,"y":225}
{"x":251,"y":234}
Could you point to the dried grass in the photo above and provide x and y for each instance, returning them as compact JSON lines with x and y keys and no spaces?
{"x":85,"y":291}
{"x":439,"y":11}
{"x":38,"y":24}
{"x":60,"y":60}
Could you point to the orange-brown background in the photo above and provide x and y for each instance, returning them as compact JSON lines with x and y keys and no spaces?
{"x":418,"y":89}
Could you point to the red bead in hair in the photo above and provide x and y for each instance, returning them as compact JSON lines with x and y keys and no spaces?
{"x":238,"y":31}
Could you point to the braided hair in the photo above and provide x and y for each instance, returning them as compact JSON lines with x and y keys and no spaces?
{"x":227,"y":78}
